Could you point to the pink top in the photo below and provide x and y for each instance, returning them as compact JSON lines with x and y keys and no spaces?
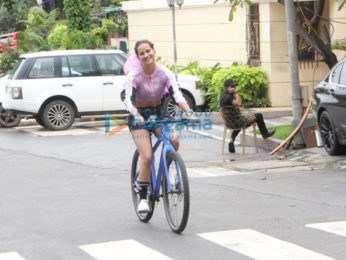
{"x":153,"y":89}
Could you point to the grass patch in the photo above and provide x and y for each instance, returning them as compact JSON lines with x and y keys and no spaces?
{"x":282,"y":131}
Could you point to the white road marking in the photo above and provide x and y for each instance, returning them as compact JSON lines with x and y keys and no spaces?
{"x":261,"y":246}
{"x":212,"y":171}
{"x":40,"y":131}
{"x":46,"y":133}
{"x":10,"y":256}
{"x":338,"y":228}
{"x":124,"y":249}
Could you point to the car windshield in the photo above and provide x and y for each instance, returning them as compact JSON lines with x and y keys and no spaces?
{"x":16,"y":69}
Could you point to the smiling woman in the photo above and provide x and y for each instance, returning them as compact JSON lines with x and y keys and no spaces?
{"x":146,"y":84}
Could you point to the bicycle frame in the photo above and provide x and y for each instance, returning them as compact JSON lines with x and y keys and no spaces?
{"x":166,"y":148}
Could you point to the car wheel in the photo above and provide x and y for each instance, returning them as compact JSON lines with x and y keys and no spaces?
{"x":172,"y":108}
{"x":58,"y":115}
{"x":328,"y":135}
{"x":38,"y":120}
{"x":9,"y":118}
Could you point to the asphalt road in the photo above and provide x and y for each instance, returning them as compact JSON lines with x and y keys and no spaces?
{"x":67,"y":196}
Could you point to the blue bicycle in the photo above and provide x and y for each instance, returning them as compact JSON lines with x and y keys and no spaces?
{"x":172,"y":176}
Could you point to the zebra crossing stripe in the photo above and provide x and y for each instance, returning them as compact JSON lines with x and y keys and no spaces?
{"x":214,"y":171}
{"x":124,"y":249}
{"x":260,"y":246}
{"x":10,"y":256}
{"x":338,"y":228}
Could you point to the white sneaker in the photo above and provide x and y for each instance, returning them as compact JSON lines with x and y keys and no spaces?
{"x":143,"y":206}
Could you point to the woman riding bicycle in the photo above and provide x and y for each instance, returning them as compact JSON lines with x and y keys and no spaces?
{"x":146,"y":84}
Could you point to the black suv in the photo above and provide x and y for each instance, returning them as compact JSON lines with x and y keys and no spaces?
{"x":329,"y":108}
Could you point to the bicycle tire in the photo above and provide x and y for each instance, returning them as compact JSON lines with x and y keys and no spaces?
{"x":177,"y":203}
{"x":144,"y":217}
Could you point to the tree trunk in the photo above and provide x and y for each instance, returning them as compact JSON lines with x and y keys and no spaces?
{"x":313,"y":39}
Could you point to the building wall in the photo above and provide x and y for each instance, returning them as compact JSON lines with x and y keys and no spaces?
{"x":275,"y":60}
{"x":204,"y":33}
{"x":339,"y":23}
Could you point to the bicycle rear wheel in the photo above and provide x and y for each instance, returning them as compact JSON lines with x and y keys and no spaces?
{"x":177,"y":202}
{"x":144,"y":217}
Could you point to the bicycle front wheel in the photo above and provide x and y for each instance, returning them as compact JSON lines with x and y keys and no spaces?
{"x":144,"y":217}
{"x":176,"y":201}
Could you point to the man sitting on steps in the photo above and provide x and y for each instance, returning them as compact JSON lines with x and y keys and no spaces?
{"x":231,"y":98}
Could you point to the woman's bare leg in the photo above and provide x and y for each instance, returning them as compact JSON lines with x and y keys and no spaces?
{"x":142,"y":141}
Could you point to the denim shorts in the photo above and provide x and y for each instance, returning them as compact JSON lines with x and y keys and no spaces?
{"x":150,"y":115}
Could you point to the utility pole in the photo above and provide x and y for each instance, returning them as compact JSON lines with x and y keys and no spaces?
{"x":175,"y":44}
{"x":293,"y":61}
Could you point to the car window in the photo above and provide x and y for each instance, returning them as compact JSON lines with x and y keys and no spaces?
{"x":343,"y":75}
{"x":81,"y":65}
{"x":110,"y":64}
{"x":16,"y":69}
{"x":335,"y":76}
{"x":42,"y":68}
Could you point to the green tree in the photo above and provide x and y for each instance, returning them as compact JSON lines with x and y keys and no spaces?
{"x":12,"y":12}
{"x":38,"y":26}
{"x":78,"y":15}
{"x":340,"y":45}
{"x":234,"y":4}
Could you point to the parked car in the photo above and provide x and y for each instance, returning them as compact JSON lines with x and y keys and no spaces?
{"x":58,"y":86}
{"x":8,"y":118}
{"x":10,"y":38}
{"x":329,"y":108}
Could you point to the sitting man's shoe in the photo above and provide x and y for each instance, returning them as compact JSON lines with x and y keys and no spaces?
{"x":231,"y":147}
{"x":270,"y":133}
{"x":143,"y":206}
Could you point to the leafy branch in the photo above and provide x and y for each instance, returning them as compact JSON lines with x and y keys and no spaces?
{"x":234,"y":4}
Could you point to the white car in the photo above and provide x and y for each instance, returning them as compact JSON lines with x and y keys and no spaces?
{"x":8,"y":118}
{"x":58,"y":86}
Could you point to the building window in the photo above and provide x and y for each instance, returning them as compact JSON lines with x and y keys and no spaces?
{"x":253,"y":39}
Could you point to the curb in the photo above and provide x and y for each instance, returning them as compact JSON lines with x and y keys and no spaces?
{"x":268,"y":144}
